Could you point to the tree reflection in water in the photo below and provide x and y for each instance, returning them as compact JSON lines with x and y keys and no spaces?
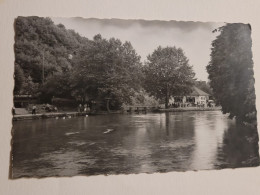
{"x":239,"y":149}
{"x":139,"y":143}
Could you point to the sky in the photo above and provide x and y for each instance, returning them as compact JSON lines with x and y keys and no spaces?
{"x":145,"y":36}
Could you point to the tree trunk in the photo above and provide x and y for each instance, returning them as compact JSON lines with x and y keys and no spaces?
{"x":167,"y":96}
{"x":108,"y":109}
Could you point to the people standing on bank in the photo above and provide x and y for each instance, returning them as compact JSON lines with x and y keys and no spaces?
{"x":34,"y":109}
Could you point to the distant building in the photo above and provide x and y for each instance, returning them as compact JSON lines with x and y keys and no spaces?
{"x":196,"y":97}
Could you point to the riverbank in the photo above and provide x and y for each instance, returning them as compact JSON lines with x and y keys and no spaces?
{"x":47,"y":115}
{"x":76,"y":114}
{"x":184,"y":109}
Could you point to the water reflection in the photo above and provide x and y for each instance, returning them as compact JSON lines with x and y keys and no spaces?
{"x":138,"y":143}
{"x":239,"y":149}
{"x":210,"y":129}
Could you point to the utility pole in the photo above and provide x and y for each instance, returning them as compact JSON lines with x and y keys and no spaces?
{"x":43,"y":67}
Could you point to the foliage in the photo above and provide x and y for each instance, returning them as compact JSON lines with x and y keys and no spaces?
{"x":231,"y":71}
{"x":168,"y":73}
{"x":45,"y":54}
{"x":57,"y":85}
{"x":19,"y":79}
{"x":55,"y":62}
{"x":30,"y":87}
{"x":106,"y":69}
{"x":43,"y":47}
{"x":143,"y":98}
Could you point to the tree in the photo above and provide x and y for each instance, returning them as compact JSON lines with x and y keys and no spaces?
{"x":167,"y":72}
{"x":143,"y":98}
{"x":19,"y":79}
{"x":106,"y":69}
{"x":43,"y":48}
{"x":30,"y":87}
{"x":231,"y":72}
{"x":57,"y":85}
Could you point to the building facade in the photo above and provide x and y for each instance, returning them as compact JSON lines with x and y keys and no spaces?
{"x":196,"y":98}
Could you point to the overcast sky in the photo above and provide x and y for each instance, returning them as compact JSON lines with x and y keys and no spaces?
{"x":145,"y":36}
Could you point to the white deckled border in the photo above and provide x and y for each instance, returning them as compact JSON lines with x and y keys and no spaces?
{"x":237,"y":181}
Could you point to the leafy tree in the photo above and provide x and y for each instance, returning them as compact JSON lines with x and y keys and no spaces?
{"x":30,"y":87}
{"x":19,"y":79}
{"x":143,"y":98}
{"x":231,"y":71}
{"x":57,"y":85}
{"x":43,"y":48}
{"x":167,"y":73}
{"x":106,"y":69}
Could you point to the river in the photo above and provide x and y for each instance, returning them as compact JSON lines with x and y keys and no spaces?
{"x":131,"y":143}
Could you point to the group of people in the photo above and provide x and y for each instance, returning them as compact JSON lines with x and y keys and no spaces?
{"x":50,"y":108}
{"x":211,"y":104}
{"x":175,"y":105}
{"x":46,"y":108}
{"x":84,"y":108}
{"x":179,"y":104}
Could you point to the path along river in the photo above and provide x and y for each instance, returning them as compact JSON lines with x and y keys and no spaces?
{"x":131,"y":143}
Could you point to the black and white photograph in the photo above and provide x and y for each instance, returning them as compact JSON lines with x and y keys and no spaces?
{"x":115,"y":96}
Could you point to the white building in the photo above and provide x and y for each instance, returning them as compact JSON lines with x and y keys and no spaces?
{"x":196,"y":98}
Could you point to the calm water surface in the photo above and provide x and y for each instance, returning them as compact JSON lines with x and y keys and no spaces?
{"x":144,"y":143}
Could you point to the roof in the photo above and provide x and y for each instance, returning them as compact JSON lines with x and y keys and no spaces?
{"x":197,"y":92}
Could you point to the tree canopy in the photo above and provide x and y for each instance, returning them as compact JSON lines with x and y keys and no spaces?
{"x":43,"y":48}
{"x":167,"y":73}
{"x":106,"y":69}
{"x":54,"y":61}
{"x":231,"y":71}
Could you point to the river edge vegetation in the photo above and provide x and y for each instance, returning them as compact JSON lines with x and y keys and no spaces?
{"x":231,"y":72}
{"x":52,"y":61}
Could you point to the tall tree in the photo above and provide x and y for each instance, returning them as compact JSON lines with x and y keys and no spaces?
{"x":57,"y":85}
{"x":167,"y":72}
{"x":43,"y":48}
{"x":106,"y":69}
{"x":231,"y":71}
{"x":19,"y":79}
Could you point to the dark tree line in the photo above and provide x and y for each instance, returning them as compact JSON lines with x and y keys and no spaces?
{"x":106,"y":69}
{"x":53,"y":61}
{"x":231,"y":72}
{"x":42,"y":49}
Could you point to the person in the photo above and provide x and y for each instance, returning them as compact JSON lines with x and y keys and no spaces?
{"x":55,"y":109}
{"x":47,"y":108}
{"x":34,"y":109}
{"x":13,"y":110}
{"x":85,"y":108}
{"x":80,"y":108}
